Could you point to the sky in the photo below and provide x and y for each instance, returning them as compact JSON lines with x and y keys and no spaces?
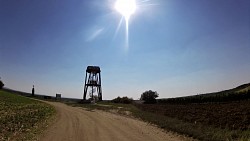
{"x":174,"y":47}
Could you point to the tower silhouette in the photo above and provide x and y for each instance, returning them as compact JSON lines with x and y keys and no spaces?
{"x":93,"y":80}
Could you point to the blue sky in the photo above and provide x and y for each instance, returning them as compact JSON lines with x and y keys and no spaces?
{"x":176,"y":47}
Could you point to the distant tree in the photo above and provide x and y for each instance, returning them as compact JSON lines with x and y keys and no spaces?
{"x":124,"y":100}
{"x":1,"y":84}
{"x":149,"y":97}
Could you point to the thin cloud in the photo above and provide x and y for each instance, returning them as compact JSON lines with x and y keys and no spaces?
{"x":94,"y":35}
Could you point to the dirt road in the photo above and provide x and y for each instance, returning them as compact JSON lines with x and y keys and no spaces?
{"x":78,"y":124}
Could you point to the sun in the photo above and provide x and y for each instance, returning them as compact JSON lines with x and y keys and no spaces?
{"x":125,"y":7}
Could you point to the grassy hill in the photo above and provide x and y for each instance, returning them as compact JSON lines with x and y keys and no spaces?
{"x":22,"y":118}
{"x":240,"y":89}
{"x":236,"y":94}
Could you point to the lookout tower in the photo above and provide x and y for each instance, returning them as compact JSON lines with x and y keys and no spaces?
{"x":93,"y":80}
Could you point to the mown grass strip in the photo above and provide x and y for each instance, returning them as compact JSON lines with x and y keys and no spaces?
{"x":22,"y":118}
{"x":195,"y":130}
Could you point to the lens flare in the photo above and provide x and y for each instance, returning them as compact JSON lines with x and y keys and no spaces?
{"x":126,"y":8}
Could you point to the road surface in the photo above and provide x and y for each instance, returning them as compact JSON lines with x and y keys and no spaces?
{"x":78,"y":124}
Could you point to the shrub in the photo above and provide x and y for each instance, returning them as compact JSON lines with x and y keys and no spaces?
{"x":149,"y":97}
{"x":124,"y":100}
{"x":1,"y":84}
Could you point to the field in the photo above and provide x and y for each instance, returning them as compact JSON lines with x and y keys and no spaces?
{"x":22,"y":118}
{"x":220,"y":121}
{"x":230,"y":115}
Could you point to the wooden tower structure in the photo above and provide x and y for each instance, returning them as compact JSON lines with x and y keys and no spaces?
{"x":93,"y":80}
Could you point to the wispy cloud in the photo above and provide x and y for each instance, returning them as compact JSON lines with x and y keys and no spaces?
{"x":94,"y":35}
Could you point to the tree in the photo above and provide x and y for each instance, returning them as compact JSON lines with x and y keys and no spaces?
{"x":149,"y":97}
{"x":1,"y":84}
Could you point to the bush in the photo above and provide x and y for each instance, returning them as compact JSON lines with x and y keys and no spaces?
{"x":149,"y":97}
{"x":1,"y":84}
{"x":124,"y":100}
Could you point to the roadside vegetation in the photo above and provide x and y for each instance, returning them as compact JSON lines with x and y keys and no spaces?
{"x":22,"y":118}
{"x":124,"y":100}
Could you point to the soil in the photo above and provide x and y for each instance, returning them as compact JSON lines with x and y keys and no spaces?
{"x":78,"y":124}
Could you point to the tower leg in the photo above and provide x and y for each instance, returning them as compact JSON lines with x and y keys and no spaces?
{"x":92,"y":93}
{"x":85,"y":88}
{"x":100,"y":88}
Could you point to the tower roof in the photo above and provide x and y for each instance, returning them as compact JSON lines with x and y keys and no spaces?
{"x":93,"y":69}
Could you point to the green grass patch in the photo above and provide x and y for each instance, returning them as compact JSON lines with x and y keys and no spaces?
{"x":195,"y":130}
{"x":22,"y":118}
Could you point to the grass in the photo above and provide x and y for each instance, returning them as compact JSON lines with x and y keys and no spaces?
{"x":195,"y":130}
{"x":22,"y":118}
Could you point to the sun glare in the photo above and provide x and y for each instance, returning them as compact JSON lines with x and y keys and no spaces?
{"x":125,"y":7}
